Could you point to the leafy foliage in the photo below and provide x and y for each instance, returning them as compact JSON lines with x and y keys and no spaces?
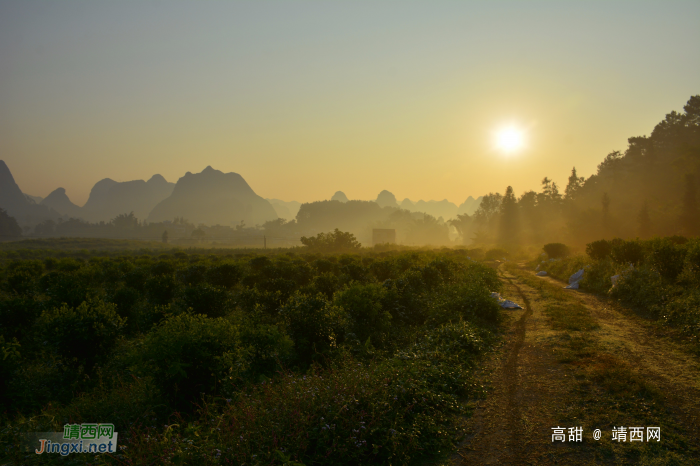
{"x":87,"y":332}
{"x":556,"y":250}
{"x":335,"y":241}
{"x":599,"y":250}
{"x":661,"y":283}
{"x":360,"y":359}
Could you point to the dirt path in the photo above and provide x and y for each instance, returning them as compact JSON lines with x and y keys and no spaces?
{"x":513,"y":425}
{"x":530,"y":388}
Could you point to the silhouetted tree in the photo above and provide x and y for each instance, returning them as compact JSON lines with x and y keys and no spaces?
{"x":334,"y":241}
{"x":509,"y":218}
{"x":605,"y":202}
{"x":165,"y":236}
{"x":9,"y":227}
{"x":689,"y":214}
{"x":644,"y":221}
{"x":574,"y":185}
{"x":125,"y":221}
{"x":47,"y":227}
{"x":489,"y":207}
{"x":462,"y":223}
{"x":428,"y":230}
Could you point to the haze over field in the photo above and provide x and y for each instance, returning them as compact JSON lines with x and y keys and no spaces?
{"x":428,"y":101}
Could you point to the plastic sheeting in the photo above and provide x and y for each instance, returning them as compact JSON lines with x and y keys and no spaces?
{"x":614,"y":279}
{"x":574,"y":280}
{"x":505,"y":303}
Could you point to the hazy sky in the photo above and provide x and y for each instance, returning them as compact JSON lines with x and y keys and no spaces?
{"x":307,"y":98}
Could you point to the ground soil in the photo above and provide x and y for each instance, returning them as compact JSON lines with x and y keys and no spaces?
{"x":529,"y":388}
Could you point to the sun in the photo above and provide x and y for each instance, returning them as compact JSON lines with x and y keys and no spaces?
{"x":509,"y":139}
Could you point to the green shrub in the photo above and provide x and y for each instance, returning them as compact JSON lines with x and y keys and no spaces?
{"x":667,"y":258}
{"x":189,"y":354}
{"x":325,"y":283}
{"x":224,"y":275}
{"x":192,"y":275}
{"x":9,"y":361}
{"x":127,"y":402}
{"x":269,"y":346}
{"x":35,"y":383}
{"x":87,"y":332}
{"x":163,"y":268}
{"x":17,"y":315}
{"x":160,"y":289}
{"x":136,"y":278}
{"x":599,"y":250}
{"x":692,"y":260}
{"x":23,"y":276}
{"x":596,"y":278}
{"x":643,"y":289}
{"x":125,"y":299}
{"x":465,"y":301}
{"x":315,"y":325}
{"x":556,"y":250}
{"x":206,"y":299}
{"x":64,"y":288}
{"x":626,"y":252}
{"x":382,"y":270}
{"x":363,"y":304}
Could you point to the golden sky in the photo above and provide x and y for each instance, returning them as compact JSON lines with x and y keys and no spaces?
{"x":307,"y":98}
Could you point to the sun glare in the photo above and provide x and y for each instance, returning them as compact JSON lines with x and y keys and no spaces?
{"x":509,"y":139}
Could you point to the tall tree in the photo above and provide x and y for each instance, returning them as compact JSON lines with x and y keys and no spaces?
{"x":575,"y":183}
{"x":508,"y":226}
{"x":689,"y":214}
{"x":489,"y":207}
{"x":644,"y":221}
{"x":9,"y":228}
{"x":605,"y":202}
{"x":462,"y":223}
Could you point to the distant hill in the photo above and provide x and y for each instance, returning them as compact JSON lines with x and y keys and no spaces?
{"x":110,"y":198}
{"x":445,"y":209}
{"x":340,"y":196}
{"x":469,"y":206}
{"x":407,"y":204}
{"x":213,"y":197}
{"x":285,"y":209}
{"x":59,"y":201}
{"x":36,"y":199}
{"x":19,"y":206}
{"x":386,"y":199}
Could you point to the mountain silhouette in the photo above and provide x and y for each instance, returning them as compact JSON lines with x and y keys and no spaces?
{"x":386,"y":199}
{"x":444,"y":208}
{"x":109,"y":198}
{"x":36,"y":199}
{"x":407,"y":204}
{"x":213,"y":197}
{"x":59,"y":201}
{"x":340,"y":196}
{"x":285,"y":209}
{"x":19,"y":206}
{"x":470,"y":205}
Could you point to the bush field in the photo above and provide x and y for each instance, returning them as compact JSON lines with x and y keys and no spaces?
{"x":659,"y":278}
{"x":254,"y":359}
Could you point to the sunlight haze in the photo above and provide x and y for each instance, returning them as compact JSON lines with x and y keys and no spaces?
{"x":304,"y":99}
